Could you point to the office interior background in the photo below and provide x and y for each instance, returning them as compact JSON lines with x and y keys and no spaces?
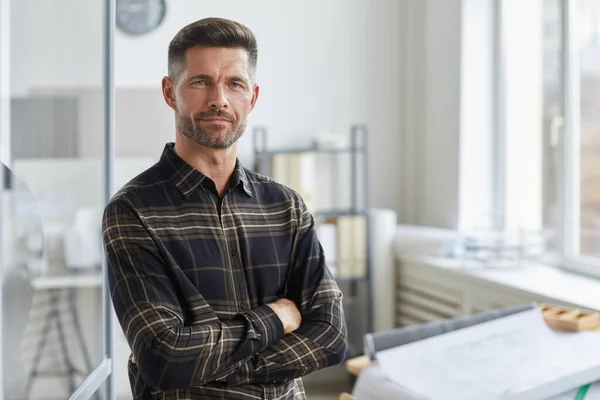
{"x":476,"y":164}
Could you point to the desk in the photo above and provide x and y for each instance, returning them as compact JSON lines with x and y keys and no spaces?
{"x":58,"y":286}
{"x":355,"y":365}
{"x":380,"y":387}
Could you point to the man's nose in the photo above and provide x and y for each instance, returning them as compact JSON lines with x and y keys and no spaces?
{"x":218,"y":98}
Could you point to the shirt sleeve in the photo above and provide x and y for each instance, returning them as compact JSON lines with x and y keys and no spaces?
{"x":169,"y":353}
{"x":321,"y":340}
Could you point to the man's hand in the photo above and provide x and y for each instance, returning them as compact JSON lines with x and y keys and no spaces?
{"x":288,"y":313}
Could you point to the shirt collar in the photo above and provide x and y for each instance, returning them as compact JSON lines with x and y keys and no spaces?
{"x":187,"y":179}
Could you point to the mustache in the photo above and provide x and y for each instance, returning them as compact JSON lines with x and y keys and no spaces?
{"x":215,"y":113}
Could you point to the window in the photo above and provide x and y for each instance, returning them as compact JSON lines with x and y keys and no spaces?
{"x":588,"y":24}
{"x":550,"y":76}
{"x":532,"y":111}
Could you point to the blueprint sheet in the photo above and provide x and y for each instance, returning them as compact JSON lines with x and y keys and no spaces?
{"x":592,"y":393}
{"x":513,"y":358}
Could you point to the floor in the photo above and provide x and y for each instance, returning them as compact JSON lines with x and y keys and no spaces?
{"x":323,"y":392}
{"x":325,"y":385}
{"x":328,"y":383}
{"x":327,"y":392}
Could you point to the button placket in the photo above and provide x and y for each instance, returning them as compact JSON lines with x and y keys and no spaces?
{"x":236,"y":265}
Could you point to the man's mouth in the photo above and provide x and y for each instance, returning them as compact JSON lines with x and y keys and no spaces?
{"x":216,"y":120}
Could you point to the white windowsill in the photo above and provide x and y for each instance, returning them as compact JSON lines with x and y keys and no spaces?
{"x":549,"y":284}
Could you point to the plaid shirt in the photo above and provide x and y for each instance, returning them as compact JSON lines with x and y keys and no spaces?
{"x":191,"y":273}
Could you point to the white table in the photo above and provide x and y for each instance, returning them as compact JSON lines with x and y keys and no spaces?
{"x":60,"y":285}
{"x":71,"y":281}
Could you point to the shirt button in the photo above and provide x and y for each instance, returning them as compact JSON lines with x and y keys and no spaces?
{"x":234,"y":253}
{"x":270,"y":397}
{"x":243,"y":305}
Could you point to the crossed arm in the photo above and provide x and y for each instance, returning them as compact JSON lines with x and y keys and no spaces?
{"x":320,"y":340}
{"x":261,"y":345}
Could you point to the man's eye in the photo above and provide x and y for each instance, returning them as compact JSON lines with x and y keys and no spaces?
{"x":235,"y":85}
{"x":200,"y":82}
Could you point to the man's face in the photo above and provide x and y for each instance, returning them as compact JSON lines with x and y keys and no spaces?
{"x":214,"y":95}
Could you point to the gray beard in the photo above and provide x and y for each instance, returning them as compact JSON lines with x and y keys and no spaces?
{"x":206,"y":136}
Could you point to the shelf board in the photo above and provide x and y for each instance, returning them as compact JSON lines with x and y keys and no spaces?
{"x":338,"y":213}
{"x":308,"y":150}
{"x":350,"y":279}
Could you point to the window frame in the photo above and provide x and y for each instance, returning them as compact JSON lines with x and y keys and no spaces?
{"x":568,"y":229}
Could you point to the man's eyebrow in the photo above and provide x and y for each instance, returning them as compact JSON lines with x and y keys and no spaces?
{"x":200,"y":76}
{"x":238,"y":78}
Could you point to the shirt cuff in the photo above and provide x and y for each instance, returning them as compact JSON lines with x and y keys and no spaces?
{"x":267,"y":325}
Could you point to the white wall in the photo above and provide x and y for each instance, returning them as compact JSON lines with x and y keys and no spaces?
{"x":429,"y":194}
{"x":55,"y":43}
{"x":323,"y":65}
{"x":449,"y":121}
{"x":441,"y":119}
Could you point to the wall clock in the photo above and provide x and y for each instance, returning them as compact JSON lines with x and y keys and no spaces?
{"x":138,"y":17}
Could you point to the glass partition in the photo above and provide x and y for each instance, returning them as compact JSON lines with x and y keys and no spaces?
{"x":55,"y":113}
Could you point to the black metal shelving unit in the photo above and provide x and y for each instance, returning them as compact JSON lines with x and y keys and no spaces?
{"x":357,"y":290}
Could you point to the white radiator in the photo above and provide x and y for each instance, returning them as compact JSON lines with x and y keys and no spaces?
{"x":421,"y":301}
{"x":427,"y":293}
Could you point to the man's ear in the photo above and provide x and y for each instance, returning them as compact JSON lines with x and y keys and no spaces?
{"x":255,"y":91}
{"x":168,"y":90}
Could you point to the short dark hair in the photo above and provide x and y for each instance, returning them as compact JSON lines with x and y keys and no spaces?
{"x":211,"y":32}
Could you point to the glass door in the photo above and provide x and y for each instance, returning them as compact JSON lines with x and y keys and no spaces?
{"x":56,"y":107}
